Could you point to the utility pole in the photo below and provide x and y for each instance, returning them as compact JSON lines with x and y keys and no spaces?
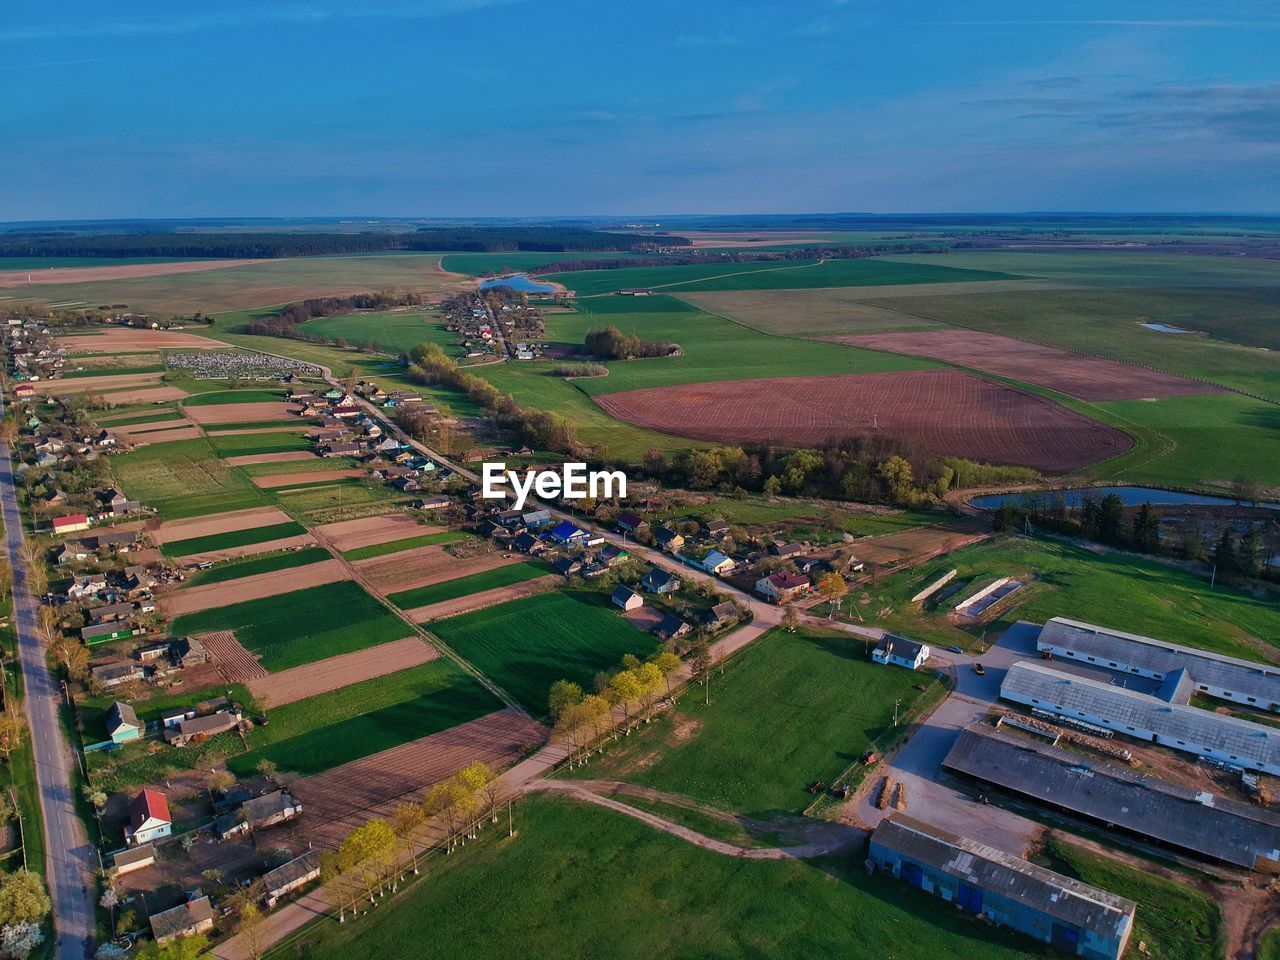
{"x":896,"y":704}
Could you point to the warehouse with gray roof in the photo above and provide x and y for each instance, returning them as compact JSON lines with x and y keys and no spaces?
{"x":1005,"y":889}
{"x":1229,"y":740}
{"x":1213,"y":674}
{"x":1202,"y":823}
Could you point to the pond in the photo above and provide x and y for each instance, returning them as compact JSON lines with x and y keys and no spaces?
{"x":1166,"y":327}
{"x":1130,"y":496}
{"x":518,"y":281}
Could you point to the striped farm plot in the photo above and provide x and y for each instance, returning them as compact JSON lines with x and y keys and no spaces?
{"x":280,"y":480}
{"x":104,"y":384}
{"x":312,"y":679}
{"x":234,"y":662}
{"x":485,"y":598}
{"x":424,"y":566}
{"x":193,"y":599}
{"x":285,"y":456}
{"x":266,"y":410}
{"x":350,"y":535}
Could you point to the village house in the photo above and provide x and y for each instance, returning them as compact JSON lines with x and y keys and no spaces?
{"x":270,"y":809}
{"x":721,"y":614}
{"x":900,"y":652}
{"x":658,"y":580}
{"x":716,"y":563}
{"x":670,"y":627}
{"x":528,"y":543}
{"x":86,"y":585}
{"x":113,"y":673}
{"x":109,"y":612}
{"x":282,"y":881}
{"x":567,"y":566}
{"x":566,"y":532}
{"x":70,"y":552}
{"x":629,"y":522}
{"x":132,"y":858}
{"x":669,"y":540}
{"x":123,"y":724}
{"x":715,"y":529}
{"x":70,"y":523}
{"x":102,"y":632}
{"x":626,"y":598}
{"x":148,"y":818}
{"x":612,"y":554}
{"x":781,"y":587}
{"x":118,"y":541}
{"x":199,"y":729}
{"x":186,"y":920}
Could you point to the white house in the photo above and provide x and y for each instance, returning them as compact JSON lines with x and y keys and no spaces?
{"x":900,"y":652}
{"x":627,"y":599}
{"x":148,"y":818}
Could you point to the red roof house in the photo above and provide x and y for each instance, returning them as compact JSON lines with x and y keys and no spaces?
{"x":148,"y":817}
{"x":70,"y":523}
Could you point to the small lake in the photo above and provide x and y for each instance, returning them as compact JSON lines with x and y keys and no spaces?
{"x":1166,"y":328}
{"x":1130,"y":496}
{"x":518,"y":281}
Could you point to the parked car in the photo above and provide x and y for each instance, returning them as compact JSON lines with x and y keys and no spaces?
{"x":979,"y":670}
{"x":956,"y":649}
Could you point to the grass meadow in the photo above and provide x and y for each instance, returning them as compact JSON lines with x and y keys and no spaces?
{"x":184,"y":478}
{"x":219,"y":396}
{"x":474,"y":583}
{"x":303,"y":626}
{"x":792,"y":709}
{"x":395,"y":331}
{"x":321,"y":732}
{"x":575,"y":877}
{"x":246,"y":444}
{"x":526,"y":645}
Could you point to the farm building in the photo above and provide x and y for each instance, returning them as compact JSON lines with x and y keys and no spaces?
{"x":528,"y":543}
{"x":431,"y":503}
{"x":109,"y":612}
{"x":69,"y":553}
{"x":271,"y":808}
{"x":1227,"y":739}
{"x":185,"y":920}
{"x":133,"y":858}
{"x":781,"y":587}
{"x":670,"y":627}
{"x":900,"y":652}
{"x":1007,"y":890}
{"x":122,"y":723}
{"x":283,"y":880}
{"x":658,"y":580}
{"x":715,"y":563}
{"x":115,"y":672}
{"x":567,"y":566}
{"x":1209,"y":826}
{"x":199,"y":729}
{"x":534,"y":519}
{"x":70,"y":523}
{"x":627,"y":599}
{"x":102,"y":632}
{"x":610,"y":554}
{"x":1227,"y":678}
{"x":148,"y":818}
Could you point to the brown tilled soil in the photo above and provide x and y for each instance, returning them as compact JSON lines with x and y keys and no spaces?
{"x":486,"y":598}
{"x":269,"y":546}
{"x":126,"y":340}
{"x":365,"y":532}
{"x":116,"y":381}
{"x":158,"y":394}
{"x":243,"y":412}
{"x":1089,"y":378}
{"x":944,"y":411}
{"x":339,"y":800}
{"x":234,"y":662}
{"x":422,"y":566}
{"x":191,"y":599}
{"x":308,"y":429}
{"x":287,"y":456}
{"x":19,"y":278}
{"x":276,"y":480}
{"x":312,"y":679}
{"x":190,"y":527}
{"x":920,"y":543}
{"x":190,"y":432}
{"x":136,"y":429}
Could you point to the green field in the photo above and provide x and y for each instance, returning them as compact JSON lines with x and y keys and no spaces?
{"x":1111,"y":589}
{"x":1174,"y":920}
{"x":576,"y":878}
{"x":245,"y":444}
{"x":263,"y":563}
{"x":768,"y":275}
{"x":355,"y":721}
{"x":475,"y":583}
{"x":307,"y":498}
{"x":474,"y":264}
{"x":160,"y":416}
{"x":302,"y":627}
{"x":527,"y":645}
{"x":408,"y":543}
{"x":233,"y":538}
{"x":793,"y":709}
{"x":395,"y":331}
{"x":184,"y":478}
{"x":219,"y":395}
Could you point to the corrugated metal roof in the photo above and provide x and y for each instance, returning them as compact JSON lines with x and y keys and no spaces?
{"x":1210,"y":825}
{"x":979,"y":865}
{"x":1214,"y":669}
{"x":1250,"y":743}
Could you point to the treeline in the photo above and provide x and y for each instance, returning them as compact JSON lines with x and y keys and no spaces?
{"x":429,"y":365}
{"x":280,"y":323}
{"x":1233,"y":555}
{"x":276,"y":245}
{"x":612,"y":344}
{"x":736,"y":256}
{"x":863,"y":468}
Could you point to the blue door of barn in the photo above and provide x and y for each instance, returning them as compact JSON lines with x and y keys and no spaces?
{"x":912,"y":874}
{"x":1065,"y":937}
{"x":969,"y":898}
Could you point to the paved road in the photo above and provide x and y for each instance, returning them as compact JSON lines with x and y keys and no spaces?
{"x":70,"y":858}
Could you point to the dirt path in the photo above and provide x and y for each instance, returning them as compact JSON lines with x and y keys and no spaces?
{"x":308,"y":680}
{"x":486,"y":598}
{"x":225,"y":593}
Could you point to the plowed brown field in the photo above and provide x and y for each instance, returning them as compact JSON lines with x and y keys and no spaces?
{"x":233,"y":661}
{"x":920,"y":543}
{"x":944,"y":411}
{"x":486,"y":598}
{"x":20,"y":278}
{"x":116,"y":381}
{"x":1089,"y":378}
{"x":243,"y":412}
{"x":286,"y":457}
{"x":189,"y":432}
{"x":423,"y":566}
{"x":192,"y":599}
{"x":190,"y":527}
{"x":339,"y":800}
{"x":128,"y":340}
{"x":365,"y":532}
{"x":276,"y":480}
{"x":312,"y":679}
{"x":269,"y":546}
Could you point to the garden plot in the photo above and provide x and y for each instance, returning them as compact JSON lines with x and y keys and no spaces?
{"x":277,"y":480}
{"x":234,"y":662}
{"x":284,"y":456}
{"x":191,"y":527}
{"x":243,"y":412}
{"x":193,"y":599}
{"x":125,"y":340}
{"x":485,"y":598}
{"x":424,"y":566}
{"x":368,"y":531}
{"x":312,"y":679}
{"x":103,"y":384}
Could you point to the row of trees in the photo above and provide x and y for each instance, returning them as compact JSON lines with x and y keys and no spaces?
{"x":612,"y":344}
{"x":707,"y":257}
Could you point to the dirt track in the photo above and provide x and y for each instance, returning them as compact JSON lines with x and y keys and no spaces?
{"x":339,"y":800}
{"x":19,"y":278}
{"x":193,"y":599}
{"x":243,"y":412}
{"x":367,"y":531}
{"x":126,"y":340}
{"x":287,"y":457}
{"x":190,"y":527}
{"x":1089,"y":378}
{"x":312,"y":679}
{"x":276,"y":480}
{"x":944,"y":411}
{"x":487,"y":598}
{"x":423,"y":566}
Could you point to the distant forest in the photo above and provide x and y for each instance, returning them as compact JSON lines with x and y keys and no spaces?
{"x":273,"y":245}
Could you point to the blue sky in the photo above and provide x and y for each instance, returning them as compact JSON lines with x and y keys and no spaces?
{"x":541,"y":107}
